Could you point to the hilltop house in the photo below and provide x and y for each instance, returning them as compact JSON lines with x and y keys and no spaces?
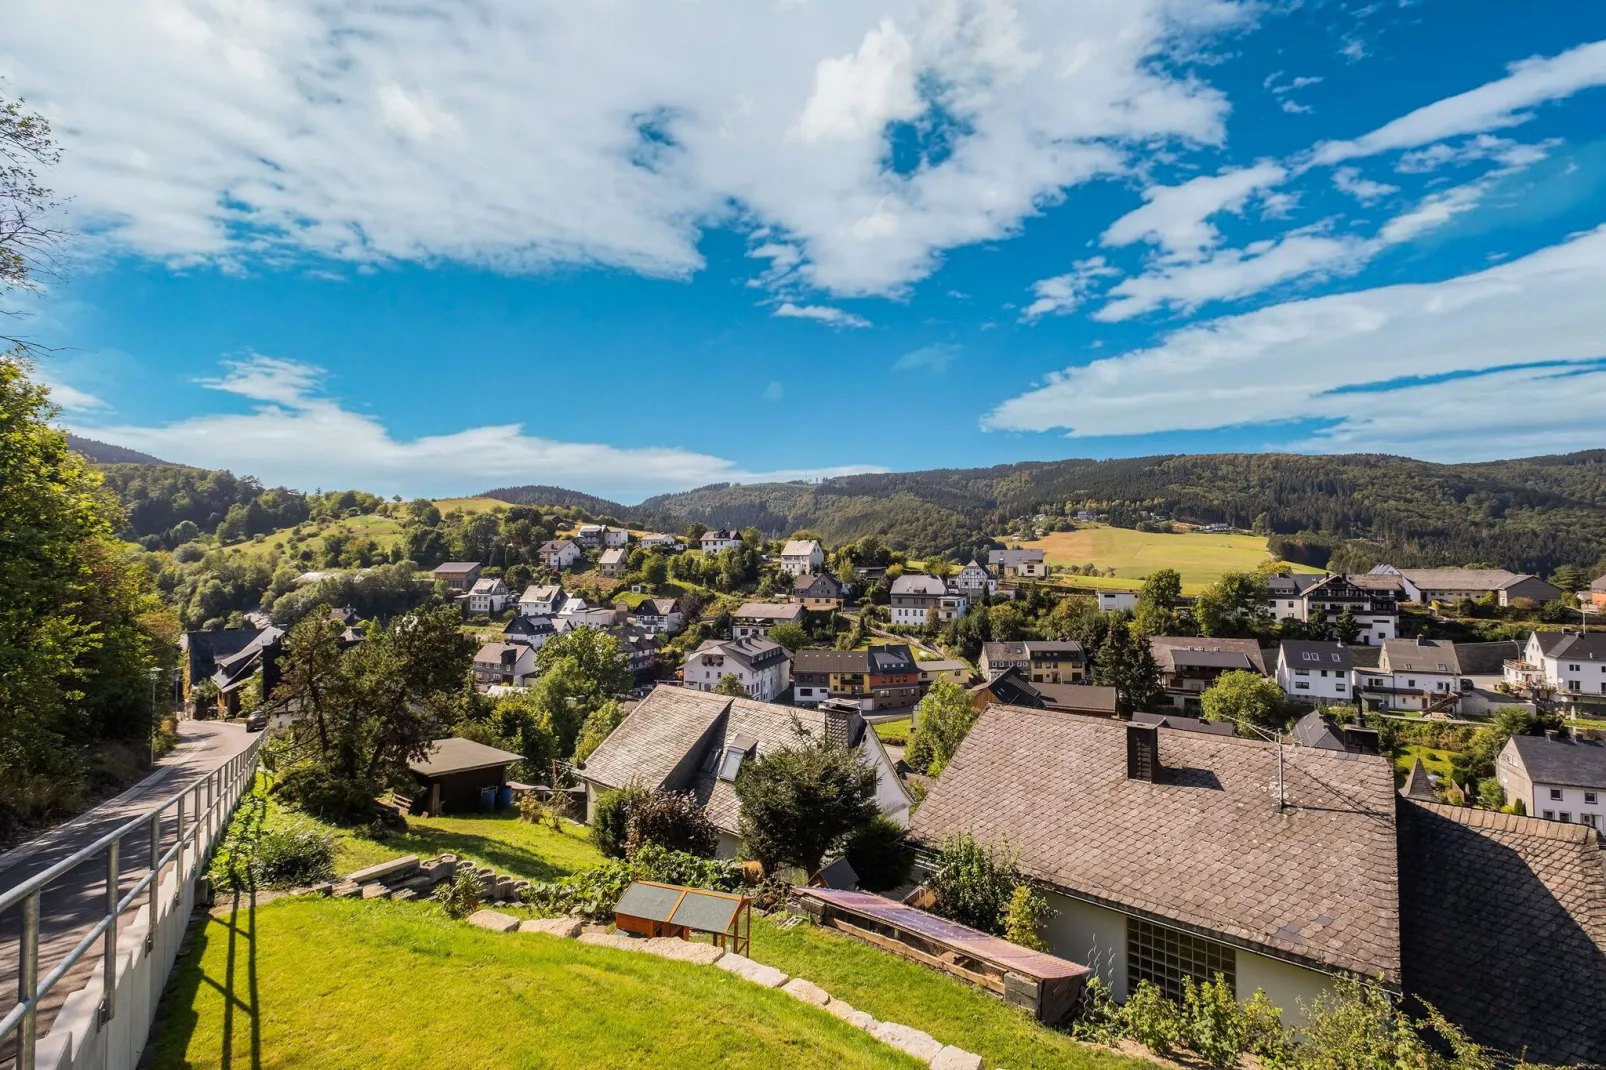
{"x":487,"y":596}
{"x":661,"y":616}
{"x":884,"y":677}
{"x":820,"y":591}
{"x":1164,"y":856}
{"x":1042,"y":661}
{"x":683,"y":740}
{"x":1018,"y":564}
{"x":1188,"y":666}
{"x":975,"y":581}
{"x":915,"y":596}
{"x":1314,"y":671}
{"x":1569,"y":664}
{"x":511,"y":664}
{"x":720,"y":540}
{"x":659,"y":540}
{"x":613,"y":563}
{"x":1556,"y":778}
{"x":541,"y":600}
{"x":757,"y":618}
{"x":799,"y":557}
{"x":764,"y":668}
{"x":559,"y":554}
{"x":458,"y":575}
{"x":601,"y":536}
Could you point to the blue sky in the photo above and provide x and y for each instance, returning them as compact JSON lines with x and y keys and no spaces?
{"x":637,"y":247}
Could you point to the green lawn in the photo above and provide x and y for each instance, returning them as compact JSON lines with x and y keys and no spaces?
{"x":897,"y":990}
{"x":1434,"y":760}
{"x":469,"y":505}
{"x":338,"y":983}
{"x":1201,"y":559}
{"x":895,"y":732}
{"x":382,"y":529}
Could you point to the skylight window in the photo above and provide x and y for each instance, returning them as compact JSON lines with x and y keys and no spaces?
{"x":732,"y":764}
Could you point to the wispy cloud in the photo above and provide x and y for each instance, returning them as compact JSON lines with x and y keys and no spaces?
{"x":933,"y":358}
{"x":1350,"y":180}
{"x":1065,"y":293}
{"x":827,"y":314}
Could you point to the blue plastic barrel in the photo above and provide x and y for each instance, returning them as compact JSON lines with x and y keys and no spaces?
{"x":504,"y":797}
{"x":487,"y":799}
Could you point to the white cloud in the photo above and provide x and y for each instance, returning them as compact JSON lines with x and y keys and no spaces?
{"x":1354,"y":50}
{"x":1483,"y":147}
{"x":1350,"y":180}
{"x":935,"y":358}
{"x":1065,"y":293}
{"x":300,"y":436}
{"x":836,"y":317}
{"x":70,"y":398}
{"x":1294,"y":107}
{"x":1176,"y":218}
{"x":517,"y":135}
{"x":1304,"y":359}
{"x":1492,"y":106}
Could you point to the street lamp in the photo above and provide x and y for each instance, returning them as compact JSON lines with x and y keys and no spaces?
{"x":156,"y":676}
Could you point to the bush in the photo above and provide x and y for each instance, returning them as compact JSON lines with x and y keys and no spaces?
{"x":1098,"y":1016}
{"x":328,"y":796}
{"x":459,"y":896}
{"x":610,"y":820}
{"x":1024,"y":916}
{"x":973,"y":884}
{"x":294,"y":857}
{"x":539,"y":811}
{"x":1213,"y":1024}
{"x":595,"y":892}
{"x":1151,"y":1019}
{"x":879,"y":853}
{"x":672,"y":820}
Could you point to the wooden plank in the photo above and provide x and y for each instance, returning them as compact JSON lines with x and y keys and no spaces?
{"x":897,"y":947}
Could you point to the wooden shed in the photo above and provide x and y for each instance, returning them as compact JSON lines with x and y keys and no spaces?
{"x":1043,"y":984}
{"x":651,"y":909}
{"x":456,"y":772}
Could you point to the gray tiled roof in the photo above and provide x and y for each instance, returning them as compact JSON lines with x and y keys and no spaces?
{"x":1322,"y":655}
{"x":770,"y":611}
{"x":659,"y":732}
{"x":1486,"y":894}
{"x":1461,"y":579}
{"x":1562,"y":761}
{"x":919,"y":583}
{"x":1312,"y":730}
{"x":1207,"y":847}
{"x":1164,"y":648}
{"x":1571,"y":644}
{"x":768,"y":727}
{"x":459,"y":756}
{"x":1419,"y":655}
{"x":1486,"y":659}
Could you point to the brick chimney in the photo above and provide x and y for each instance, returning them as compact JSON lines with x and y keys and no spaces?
{"x":1143,"y":752}
{"x":839,"y":722}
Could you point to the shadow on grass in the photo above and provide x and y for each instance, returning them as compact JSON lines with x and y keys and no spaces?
{"x":506,"y":857}
{"x":174,"y":1041}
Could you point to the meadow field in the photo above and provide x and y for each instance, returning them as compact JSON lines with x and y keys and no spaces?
{"x":1200,"y":558}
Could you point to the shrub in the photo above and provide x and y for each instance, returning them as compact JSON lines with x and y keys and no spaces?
{"x":1024,"y":916}
{"x":610,"y":821}
{"x":595,"y":892}
{"x":295,"y":856}
{"x":1213,"y":1024}
{"x":539,"y":811}
{"x":328,"y":796}
{"x":460,"y":895}
{"x":1264,"y":1034}
{"x":1098,"y":1016}
{"x":799,"y":801}
{"x":1151,"y":1019}
{"x":673,"y":820}
{"x":879,"y":853}
{"x":973,"y":884}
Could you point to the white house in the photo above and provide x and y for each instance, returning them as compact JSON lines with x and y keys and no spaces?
{"x":720,"y":540}
{"x":1570,"y":664}
{"x":1454,"y":584}
{"x":661,"y":541}
{"x":504,"y":663}
{"x":763,"y":667}
{"x":914,"y":596}
{"x":1115,"y":601}
{"x":488,"y":596}
{"x":1287,"y":595}
{"x":1314,"y":671}
{"x":601,"y":535}
{"x":661,"y":616}
{"x":1411,"y":674}
{"x":1372,"y":601}
{"x":799,"y":557}
{"x":975,"y":580}
{"x":533,"y":632}
{"x":1018,"y":564}
{"x":613,"y":562}
{"x":576,"y":612}
{"x":1557,"y":779}
{"x":541,"y":600}
{"x":757,"y":618}
{"x":559,"y":554}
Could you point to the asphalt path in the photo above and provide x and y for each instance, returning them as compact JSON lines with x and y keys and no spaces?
{"x":72,"y":904}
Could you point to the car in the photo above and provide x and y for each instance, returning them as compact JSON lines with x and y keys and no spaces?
{"x":256,"y":721}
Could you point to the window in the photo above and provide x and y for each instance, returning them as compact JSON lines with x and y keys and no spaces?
{"x":1589,"y":797}
{"x":1588,"y":819}
{"x":1301,"y":672}
{"x":1163,"y":957}
{"x":1555,"y":794}
{"x":1301,"y":685}
{"x":1565,"y":816}
{"x":1338,"y":687}
{"x":732,"y":763}
{"x":1550,"y":815}
{"x":1572,"y":668}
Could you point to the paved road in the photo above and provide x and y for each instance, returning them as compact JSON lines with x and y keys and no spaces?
{"x":73,"y":904}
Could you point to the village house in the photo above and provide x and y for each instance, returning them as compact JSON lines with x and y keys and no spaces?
{"x":601,"y":536}
{"x":1597,"y":592}
{"x":638,"y":648}
{"x":1555,"y":777}
{"x":763,"y":668}
{"x":559,"y":554}
{"x":757,"y":618}
{"x":1188,"y":666}
{"x":577,"y":612}
{"x":1287,"y":594}
{"x":1164,"y":855}
{"x":915,"y":596}
{"x":230,"y":659}
{"x":488,"y":596}
{"x":658,"y":540}
{"x":511,"y":664}
{"x":720,"y":540}
{"x":1017,"y":564}
{"x":541,"y":600}
{"x":1454,"y":584}
{"x":1422,"y":675}
{"x":975,"y":581}
{"x":818,"y":592}
{"x":458,"y":575}
{"x":1042,"y":661}
{"x":799,"y":557}
{"x":1314,"y":671}
{"x":679,"y":739}
{"x":1567,"y":666}
{"x":884,"y":677}
{"x":954,"y":671}
{"x":1315,"y":730}
{"x":613,"y":563}
{"x":661,"y":616}
{"x":1117,"y":601}
{"x":533,"y":632}
{"x":1011,"y":688}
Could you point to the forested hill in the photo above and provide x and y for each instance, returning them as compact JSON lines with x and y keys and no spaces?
{"x":106,"y":453}
{"x":535,"y":494}
{"x":1532,"y":514}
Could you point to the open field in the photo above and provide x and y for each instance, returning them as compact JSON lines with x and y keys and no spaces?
{"x":338,"y":983}
{"x":384,"y":531}
{"x":469,"y":505}
{"x":1201,"y":559}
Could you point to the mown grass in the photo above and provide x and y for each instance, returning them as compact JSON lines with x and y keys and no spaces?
{"x":1435,"y":760}
{"x":338,"y":983}
{"x":895,"y":732}
{"x":469,"y":505}
{"x":895,"y":989}
{"x":1201,"y":559}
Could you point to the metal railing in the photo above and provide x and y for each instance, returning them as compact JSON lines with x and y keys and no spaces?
{"x":148,"y":947}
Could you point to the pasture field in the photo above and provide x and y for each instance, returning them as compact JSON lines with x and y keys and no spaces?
{"x":469,"y":505}
{"x":385,"y":532}
{"x":1200,"y":558}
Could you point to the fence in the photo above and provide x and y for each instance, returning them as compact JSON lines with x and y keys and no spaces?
{"x":104,"y":1026}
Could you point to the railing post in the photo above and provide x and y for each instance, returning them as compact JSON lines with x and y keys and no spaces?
{"x":156,"y":879}
{"x":109,"y":953}
{"x":28,"y":981}
{"x":178,"y":872}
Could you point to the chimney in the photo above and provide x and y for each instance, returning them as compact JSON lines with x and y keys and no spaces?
{"x":1143,"y":752}
{"x":839,"y":718}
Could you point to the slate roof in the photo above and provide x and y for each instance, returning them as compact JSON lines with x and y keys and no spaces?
{"x":552,"y":546}
{"x":1365,"y":657}
{"x":1598,"y":584}
{"x":1313,"y":654}
{"x":544,"y":593}
{"x":657,"y":607}
{"x":766,"y":727}
{"x":613,"y":555}
{"x":490,"y":585}
{"x":1562,"y":761}
{"x":753,"y":651}
{"x":1486,"y":895}
{"x":1417,"y":785}
{"x":1461,"y":579}
{"x":205,"y":649}
{"x":800,"y":548}
{"x":1185,"y":724}
{"x":236,"y":668}
{"x":1419,"y":655}
{"x":1487,"y":659}
{"x":1013,"y":557}
{"x":1292,"y":585}
{"x":1312,"y":730}
{"x":1164,"y":648}
{"x":917,"y":583}
{"x":1573,"y":645}
{"x":776,"y":612}
{"x":461,"y":756}
{"x":879,"y":659}
{"x":1207,"y":847}
{"x":827,"y":583}
{"x":455,"y":568}
{"x":529,"y":626}
{"x":500,"y":653}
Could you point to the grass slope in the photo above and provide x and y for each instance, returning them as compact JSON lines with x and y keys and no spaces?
{"x":384,"y":531}
{"x":335,"y":983}
{"x":1201,"y":559}
{"x":474,"y":505}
